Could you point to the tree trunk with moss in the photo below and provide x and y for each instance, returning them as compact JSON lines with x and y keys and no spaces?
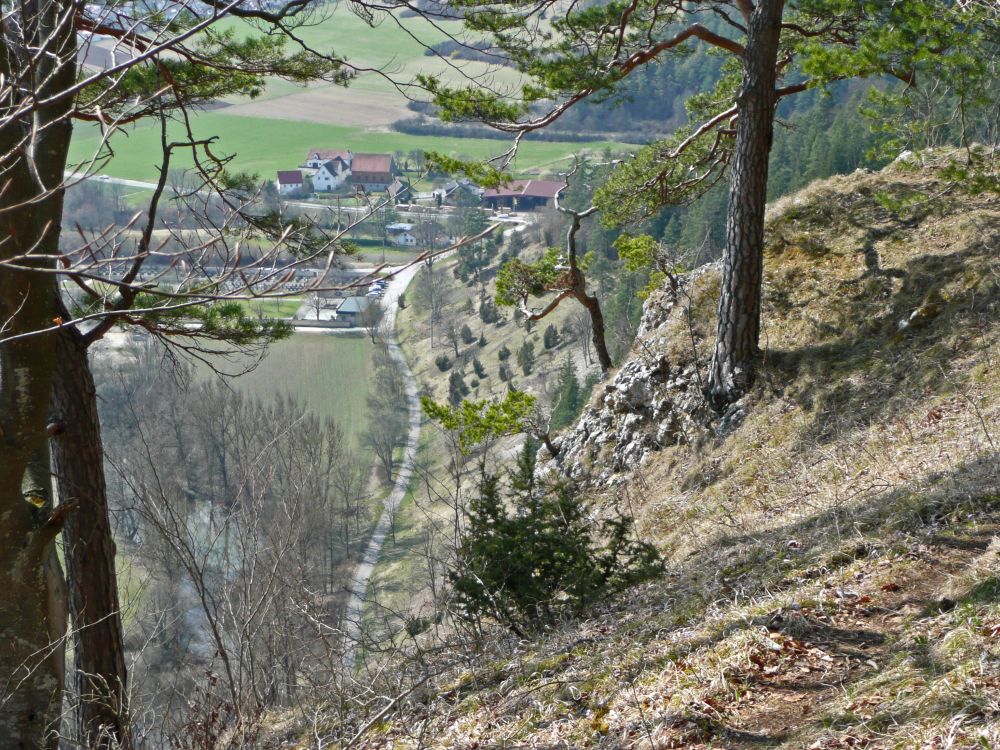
{"x":738,"y":333}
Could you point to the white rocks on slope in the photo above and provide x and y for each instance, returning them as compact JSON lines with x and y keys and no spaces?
{"x":647,"y":405}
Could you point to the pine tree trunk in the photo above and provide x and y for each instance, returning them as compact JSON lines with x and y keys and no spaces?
{"x":593,"y":306}
{"x":100,"y":674}
{"x":738,"y":333}
{"x":32,"y":590}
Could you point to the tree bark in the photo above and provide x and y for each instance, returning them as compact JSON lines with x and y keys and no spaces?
{"x":37,"y":62}
{"x":738,"y":333}
{"x":32,"y":589}
{"x":593,"y":306}
{"x":100,"y":673}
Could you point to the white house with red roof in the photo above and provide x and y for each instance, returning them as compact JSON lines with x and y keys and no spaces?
{"x":290,"y":181}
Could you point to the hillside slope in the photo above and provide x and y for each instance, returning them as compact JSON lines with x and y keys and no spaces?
{"x":833,"y":541}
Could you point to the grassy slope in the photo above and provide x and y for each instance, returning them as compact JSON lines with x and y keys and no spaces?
{"x":401,"y":575}
{"x":832,"y":583}
{"x":394,"y":45}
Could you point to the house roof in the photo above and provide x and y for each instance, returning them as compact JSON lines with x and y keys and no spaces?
{"x":327,"y":155}
{"x":526,"y":188}
{"x":399,"y":227}
{"x":328,"y":165}
{"x":289,"y":177}
{"x":398,"y":187}
{"x":354,"y":305}
{"x":371,"y":163}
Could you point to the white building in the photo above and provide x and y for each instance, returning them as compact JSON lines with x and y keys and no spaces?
{"x":290,"y":181}
{"x":401,"y":235}
{"x":331,"y":175}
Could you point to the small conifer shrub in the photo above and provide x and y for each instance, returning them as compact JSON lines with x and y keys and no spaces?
{"x":530,"y":555}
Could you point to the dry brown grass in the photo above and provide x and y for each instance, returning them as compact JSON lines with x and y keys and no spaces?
{"x":833,"y":575}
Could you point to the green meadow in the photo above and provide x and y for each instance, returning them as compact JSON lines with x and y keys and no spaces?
{"x":387,"y":51}
{"x":328,"y":374}
{"x":263,"y":145}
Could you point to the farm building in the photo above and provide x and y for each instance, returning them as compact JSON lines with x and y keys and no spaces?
{"x":290,"y":181}
{"x":453,"y":190}
{"x":523,"y":195}
{"x":401,"y":235}
{"x":318,"y":157}
{"x":331,"y":175}
{"x":400,"y":191}
{"x":350,"y":310}
{"x":373,"y":172}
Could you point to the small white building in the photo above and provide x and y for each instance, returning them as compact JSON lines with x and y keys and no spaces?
{"x":401,"y":235}
{"x":331,"y":175}
{"x":290,"y":181}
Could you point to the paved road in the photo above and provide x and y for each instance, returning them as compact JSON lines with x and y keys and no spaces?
{"x":359,"y":580}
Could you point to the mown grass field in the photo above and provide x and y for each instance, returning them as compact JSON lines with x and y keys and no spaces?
{"x":326,"y":373}
{"x":388,"y":51}
{"x":272,"y":308}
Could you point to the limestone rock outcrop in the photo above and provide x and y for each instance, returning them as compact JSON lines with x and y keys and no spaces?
{"x":648,"y":404}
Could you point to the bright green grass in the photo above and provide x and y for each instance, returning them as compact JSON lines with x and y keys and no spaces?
{"x":264,"y":145}
{"x":392,"y":43}
{"x":284,"y":307}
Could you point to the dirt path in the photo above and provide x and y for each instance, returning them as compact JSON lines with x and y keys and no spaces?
{"x":354,"y":611}
{"x":815,"y":654}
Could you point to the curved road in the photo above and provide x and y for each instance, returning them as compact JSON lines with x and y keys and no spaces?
{"x":354,"y":610}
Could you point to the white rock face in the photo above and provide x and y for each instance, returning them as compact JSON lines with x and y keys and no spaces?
{"x":647,"y":405}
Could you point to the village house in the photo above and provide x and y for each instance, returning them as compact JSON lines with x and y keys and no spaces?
{"x":318,"y":157}
{"x":401,"y":235}
{"x":452,"y":190}
{"x":399,"y":190}
{"x":331,"y":175}
{"x":351,"y":309}
{"x":373,"y":172}
{"x":290,"y":181}
{"x":523,"y":195}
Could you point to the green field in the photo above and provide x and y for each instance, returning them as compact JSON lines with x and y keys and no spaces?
{"x":284,"y":307}
{"x":276,"y":130}
{"x":326,"y":373}
{"x":388,"y":51}
{"x":264,"y":146}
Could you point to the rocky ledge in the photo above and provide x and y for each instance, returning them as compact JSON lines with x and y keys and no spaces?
{"x":649,"y":403}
